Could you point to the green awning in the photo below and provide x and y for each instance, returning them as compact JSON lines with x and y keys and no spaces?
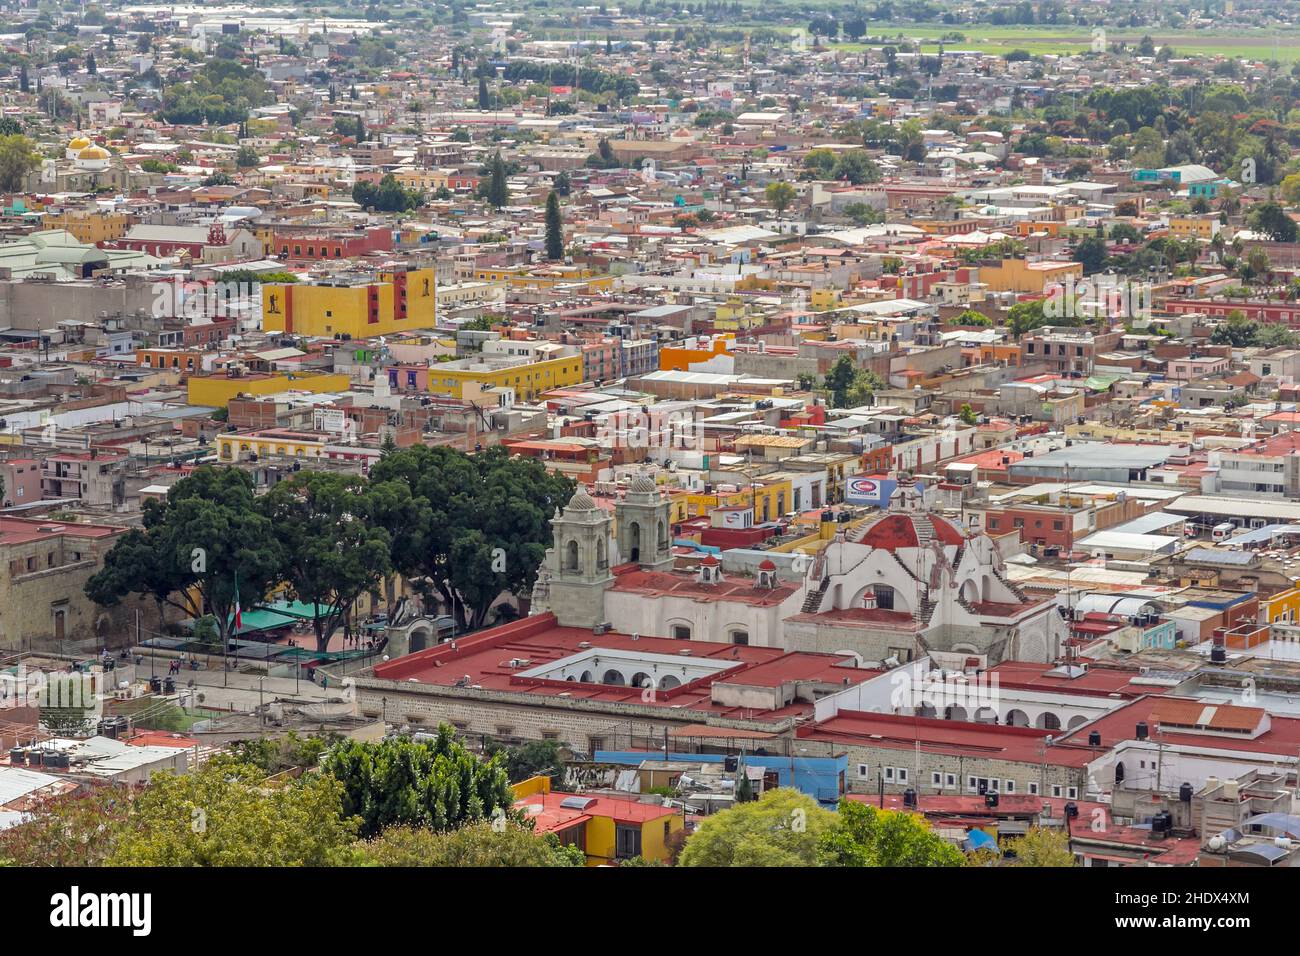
{"x":297,"y":609}
{"x":1101,"y":383}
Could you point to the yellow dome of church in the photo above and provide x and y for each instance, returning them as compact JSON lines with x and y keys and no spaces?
{"x":94,"y":152}
{"x":74,"y":148}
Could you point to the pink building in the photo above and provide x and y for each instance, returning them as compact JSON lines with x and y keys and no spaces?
{"x":22,"y":481}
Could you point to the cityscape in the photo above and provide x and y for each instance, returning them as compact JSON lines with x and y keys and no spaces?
{"x":540,"y":433}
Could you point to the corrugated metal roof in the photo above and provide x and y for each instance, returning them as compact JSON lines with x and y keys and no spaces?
{"x":16,"y":783}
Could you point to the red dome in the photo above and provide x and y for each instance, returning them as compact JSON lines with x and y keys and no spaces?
{"x":710,"y":561}
{"x":896,"y":531}
{"x":767,"y":565}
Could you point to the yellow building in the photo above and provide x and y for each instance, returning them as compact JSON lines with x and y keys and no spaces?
{"x":218,"y":389}
{"x":1020,"y":275}
{"x":825,"y":299}
{"x":1193,"y":227}
{"x":606,"y":829}
{"x":89,"y":226}
{"x":392,"y":301}
{"x":1281,"y":608}
{"x":528,"y":379}
{"x":768,"y":499}
{"x":581,"y":278}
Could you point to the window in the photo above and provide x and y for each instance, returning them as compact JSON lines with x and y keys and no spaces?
{"x":889,"y":775}
{"x":949,"y":780}
{"x":681,"y":632}
{"x":595,"y":743}
{"x":902,"y":775}
{"x":1011,"y":787}
{"x":863,"y":772}
{"x":971,"y":785}
{"x":936,"y":778}
{"x":627,"y":841}
{"x":1072,"y":792}
{"x":550,"y":735}
{"x":740,"y":637}
{"x":1033,"y":788}
{"x":1056,"y":789}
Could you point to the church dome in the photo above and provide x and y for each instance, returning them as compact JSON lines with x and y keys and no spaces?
{"x":896,"y":531}
{"x":94,"y":152}
{"x":80,"y":143}
{"x":581,"y":501}
{"x":643,"y":484}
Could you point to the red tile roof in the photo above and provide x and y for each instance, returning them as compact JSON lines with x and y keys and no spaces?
{"x":900,"y":531}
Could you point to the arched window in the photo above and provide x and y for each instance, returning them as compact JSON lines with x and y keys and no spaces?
{"x":571,"y":556}
{"x":614,"y":678}
{"x":634,"y":541}
{"x":1049,"y":721}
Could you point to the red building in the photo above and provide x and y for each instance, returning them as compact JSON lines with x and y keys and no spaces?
{"x":303,"y":242}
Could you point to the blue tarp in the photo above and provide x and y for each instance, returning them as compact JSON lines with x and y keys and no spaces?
{"x":979,"y":840}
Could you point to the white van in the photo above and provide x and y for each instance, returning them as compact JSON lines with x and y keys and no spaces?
{"x":1222,"y":531}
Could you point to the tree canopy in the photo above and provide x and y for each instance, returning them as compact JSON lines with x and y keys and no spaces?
{"x":435,"y":784}
{"x":198,"y":545}
{"x":479,"y":525}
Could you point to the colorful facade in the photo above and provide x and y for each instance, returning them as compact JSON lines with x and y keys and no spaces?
{"x":393,"y":301}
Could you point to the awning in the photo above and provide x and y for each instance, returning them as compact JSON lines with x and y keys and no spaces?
{"x":980,"y":840}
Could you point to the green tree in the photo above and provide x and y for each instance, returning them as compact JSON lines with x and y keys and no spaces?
{"x":435,"y":784}
{"x":1025,"y":317}
{"x":972,"y":317}
{"x":224,"y":814}
{"x":208,"y":537}
{"x":475,"y":845}
{"x":493,"y":189}
{"x":862,"y":835}
{"x":1042,"y":847}
{"x":782,"y":828}
{"x":333,"y":551}
{"x":839,"y":379}
{"x":856,"y":167}
{"x":967,"y":415}
{"x":535,"y":757}
{"x":779,"y":195}
{"x":223,"y":91}
{"x":1268,"y":218}
{"x":1091,"y":252}
{"x":1235,"y":330}
{"x":554,"y":228}
{"x":18,"y":157}
{"x":246,"y":157}
{"x":272,"y":755}
{"x":73,"y":829}
{"x":482,"y":525}
{"x":862,"y":214}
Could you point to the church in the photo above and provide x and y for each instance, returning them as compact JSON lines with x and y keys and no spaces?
{"x":909,"y":583}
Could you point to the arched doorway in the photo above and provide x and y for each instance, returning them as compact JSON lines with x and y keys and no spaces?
{"x":1048,"y":721}
{"x":634,"y":541}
